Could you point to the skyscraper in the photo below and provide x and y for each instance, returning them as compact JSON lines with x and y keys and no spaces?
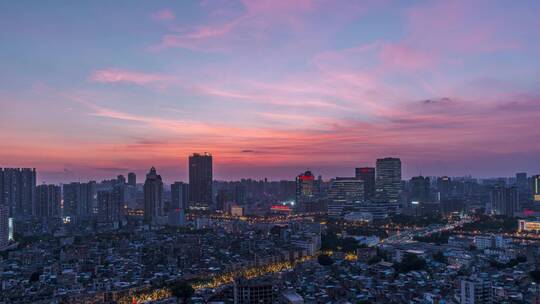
{"x":80,"y":199}
{"x":153,"y":197}
{"x":179,"y":201}
{"x":121,"y":179}
{"x":420,"y":189}
{"x":132,"y":179}
{"x":388,"y":180}
{"x":48,"y":198}
{"x":444,"y":187}
{"x":108,"y":206}
{"x":504,"y":200}
{"x":200,"y":181}
{"x":307,"y":193}
{"x":367,"y":175}
{"x":19,"y":186}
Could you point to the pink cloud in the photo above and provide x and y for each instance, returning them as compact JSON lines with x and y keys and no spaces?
{"x":163,"y":15}
{"x":125,"y":76}
{"x":403,"y":57}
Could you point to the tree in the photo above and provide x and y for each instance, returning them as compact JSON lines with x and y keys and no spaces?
{"x":325,"y":260}
{"x":182,"y":291}
{"x":440,"y":257}
{"x":410,"y":262}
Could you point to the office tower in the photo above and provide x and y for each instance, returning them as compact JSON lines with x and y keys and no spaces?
{"x":260,"y":290}
{"x":420,"y":189}
{"x":388,"y":180}
{"x":80,"y":199}
{"x":109,"y":207}
{"x":132,"y":179}
{"x":19,"y":186}
{"x":345,"y":195}
{"x":307,"y":193}
{"x":536,"y":188}
{"x":4,"y":225}
{"x":444,"y":186}
{"x":48,"y":198}
{"x":504,"y":200}
{"x":153,"y":197}
{"x":200,"y":181}
{"x":367,"y":175}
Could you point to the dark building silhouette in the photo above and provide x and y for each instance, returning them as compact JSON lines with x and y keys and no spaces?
{"x":121,"y":179}
{"x":18,"y":191}
{"x":367,"y":175}
{"x":504,"y":200}
{"x":109,"y":207}
{"x":444,"y":187}
{"x":80,"y":200}
{"x":132,"y":179}
{"x":179,"y":195}
{"x":153,"y":197}
{"x":48,"y":198}
{"x":200,"y":181}
{"x":420,"y":189}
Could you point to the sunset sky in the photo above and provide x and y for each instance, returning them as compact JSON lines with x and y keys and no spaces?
{"x":92,"y":89}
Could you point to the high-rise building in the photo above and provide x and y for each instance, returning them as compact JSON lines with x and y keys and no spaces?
{"x":80,"y":200}
{"x":132,"y":179}
{"x":420,"y":189}
{"x":444,"y":187}
{"x":521,"y":181}
{"x":536,"y":188}
{"x":504,"y":200}
{"x":388,"y":180}
{"x":179,"y":203}
{"x":200,"y":181}
{"x":4,"y":225}
{"x":307,"y":193}
{"x":153,"y":197}
{"x":48,"y":198}
{"x":121,"y":179}
{"x":109,"y":206}
{"x":19,"y":186}
{"x":367,"y":175}
{"x":345,"y":195}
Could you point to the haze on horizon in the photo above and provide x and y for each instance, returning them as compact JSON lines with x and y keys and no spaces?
{"x":90,"y":90}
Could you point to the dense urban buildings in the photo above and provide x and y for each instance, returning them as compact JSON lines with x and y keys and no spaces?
{"x":307,"y":240}
{"x":200,"y":181}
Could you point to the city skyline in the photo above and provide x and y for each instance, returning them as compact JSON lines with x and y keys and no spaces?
{"x":270,"y":88}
